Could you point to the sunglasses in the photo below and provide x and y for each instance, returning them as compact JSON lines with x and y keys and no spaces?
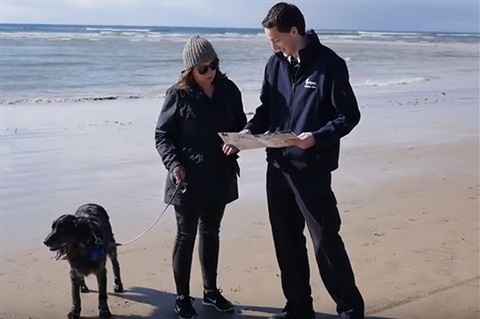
{"x":203,"y":69}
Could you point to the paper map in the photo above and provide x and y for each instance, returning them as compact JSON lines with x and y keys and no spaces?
{"x":252,"y":141}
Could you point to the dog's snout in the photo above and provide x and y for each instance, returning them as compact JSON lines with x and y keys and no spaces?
{"x":47,"y":240}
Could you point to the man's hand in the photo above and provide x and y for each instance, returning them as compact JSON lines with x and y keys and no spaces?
{"x":245,"y":131}
{"x":178,"y":174}
{"x":304,"y":140}
{"x":229,"y":149}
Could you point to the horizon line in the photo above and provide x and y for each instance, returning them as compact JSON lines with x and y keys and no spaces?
{"x":239,"y":28}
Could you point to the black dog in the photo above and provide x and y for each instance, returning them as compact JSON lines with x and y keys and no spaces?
{"x":84,"y":240}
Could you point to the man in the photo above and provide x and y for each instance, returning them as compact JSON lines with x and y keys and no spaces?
{"x":306,"y":90}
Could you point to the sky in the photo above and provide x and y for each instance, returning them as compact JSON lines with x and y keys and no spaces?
{"x":385,"y":15}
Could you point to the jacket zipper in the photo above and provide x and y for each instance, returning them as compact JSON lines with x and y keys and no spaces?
{"x":289,"y":122}
{"x":292,"y":98}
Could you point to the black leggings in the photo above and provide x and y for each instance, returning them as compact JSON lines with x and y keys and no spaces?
{"x":208,"y":219}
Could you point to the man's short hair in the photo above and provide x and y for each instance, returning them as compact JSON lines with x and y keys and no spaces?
{"x":284,"y":16}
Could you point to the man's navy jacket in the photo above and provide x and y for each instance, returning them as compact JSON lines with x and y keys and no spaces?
{"x":314,"y":96}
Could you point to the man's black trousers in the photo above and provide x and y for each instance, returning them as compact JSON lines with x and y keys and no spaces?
{"x":296,"y":198}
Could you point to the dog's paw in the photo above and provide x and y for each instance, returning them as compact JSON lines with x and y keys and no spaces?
{"x":74,"y":313}
{"x":84,"y":289}
{"x":118,"y":288}
{"x":105,"y":313}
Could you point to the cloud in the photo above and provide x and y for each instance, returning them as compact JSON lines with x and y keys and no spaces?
{"x":84,"y":4}
{"x":421,"y":15}
{"x":17,"y":11}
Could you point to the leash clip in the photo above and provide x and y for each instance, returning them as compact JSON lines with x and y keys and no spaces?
{"x":181,"y":187}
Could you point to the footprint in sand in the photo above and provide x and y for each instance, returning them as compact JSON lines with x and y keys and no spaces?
{"x":236,"y":289}
{"x":370,"y":243}
{"x":449,"y":258}
{"x":444,"y":273}
{"x":129,"y":251}
{"x":229,"y":268}
{"x":124,"y":304}
{"x":443,"y":221}
{"x":367,"y":258}
{"x":406,"y":284}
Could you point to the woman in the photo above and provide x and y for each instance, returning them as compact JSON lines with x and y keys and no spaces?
{"x":202,"y":103}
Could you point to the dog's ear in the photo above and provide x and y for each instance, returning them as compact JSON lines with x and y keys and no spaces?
{"x":64,"y":222}
{"x":81,"y":223}
{"x":83,"y":228}
{"x":58,"y":219}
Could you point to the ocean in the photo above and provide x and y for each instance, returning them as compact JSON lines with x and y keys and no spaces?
{"x":59,"y":63}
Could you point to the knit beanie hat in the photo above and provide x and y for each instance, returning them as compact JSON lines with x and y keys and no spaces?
{"x":197,"y":51}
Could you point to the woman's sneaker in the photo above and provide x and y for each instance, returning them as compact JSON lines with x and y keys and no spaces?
{"x":215,"y":299}
{"x":184,"y":307}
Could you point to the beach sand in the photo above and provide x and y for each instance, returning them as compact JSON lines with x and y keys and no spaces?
{"x":408,"y":189}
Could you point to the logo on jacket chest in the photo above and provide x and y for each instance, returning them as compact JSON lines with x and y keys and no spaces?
{"x":309,"y":84}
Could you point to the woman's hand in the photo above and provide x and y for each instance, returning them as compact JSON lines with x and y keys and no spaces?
{"x":178,"y":174}
{"x":229,"y":149}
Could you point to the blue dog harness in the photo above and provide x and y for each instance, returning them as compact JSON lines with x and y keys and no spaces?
{"x":98,"y":252}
